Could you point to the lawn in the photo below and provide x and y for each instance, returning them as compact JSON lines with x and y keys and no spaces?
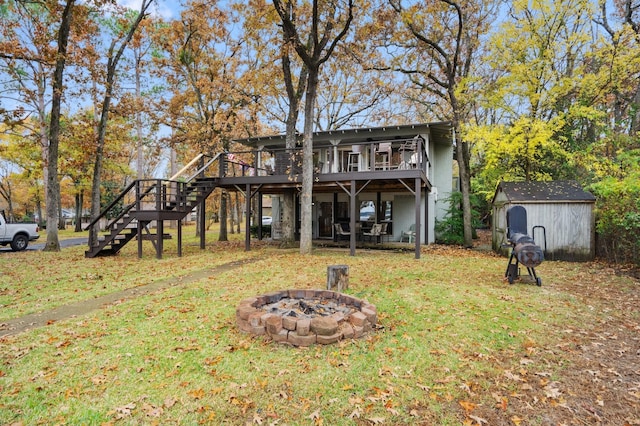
{"x":455,"y":343}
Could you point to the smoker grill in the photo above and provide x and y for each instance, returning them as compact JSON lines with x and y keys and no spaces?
{"x":523,"y":248}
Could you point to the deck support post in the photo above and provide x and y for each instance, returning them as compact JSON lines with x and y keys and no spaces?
{"x":180,"y":237}
{"x":352,"y":222}
{"x":247,"y":216}
{"x":139,"y":237}
{"x":202,"y":223}
{"x":418,"y":193}
{"x":159,"y":238}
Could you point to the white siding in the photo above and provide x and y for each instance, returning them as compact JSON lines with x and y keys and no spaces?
{"x":568,"y":226}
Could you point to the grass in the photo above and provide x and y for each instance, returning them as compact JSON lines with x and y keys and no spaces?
{"x":447,"y":321}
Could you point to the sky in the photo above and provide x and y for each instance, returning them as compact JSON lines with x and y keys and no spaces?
{"x":166,"y":9}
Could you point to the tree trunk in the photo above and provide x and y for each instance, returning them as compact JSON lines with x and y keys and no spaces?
{"x":288,"y":219}
{"x":78,"y":213}
{"x":53,"y":186}
{"x":140,"y":151}
{"x":239,"y":212}
{"x":223,"y":216}
{"x":463,"y":155}
{"x":306,"y":195}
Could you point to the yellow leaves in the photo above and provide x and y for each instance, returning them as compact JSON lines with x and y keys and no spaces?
{"x":471,"y":419}
{"x":196,"y":393}
{"x":501,"y":401}
{"x":467,"y":406}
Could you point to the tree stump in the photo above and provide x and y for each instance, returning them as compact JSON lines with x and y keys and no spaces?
{"x":337,"y":277}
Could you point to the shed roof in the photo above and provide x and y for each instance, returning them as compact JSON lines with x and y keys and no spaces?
{"x":551,"y":191}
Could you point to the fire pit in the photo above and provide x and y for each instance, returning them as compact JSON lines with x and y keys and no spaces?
{"x":306,"y":317}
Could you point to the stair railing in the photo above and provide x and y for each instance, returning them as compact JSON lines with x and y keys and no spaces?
{"x":202,"y":166}
{"x":112,"y":205}
{"x":205,"y":166}
{"x":138,"y":194}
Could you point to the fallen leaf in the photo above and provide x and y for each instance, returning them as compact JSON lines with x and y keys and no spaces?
{"x":151,"y":410}
{"x":125,"y":410}
{"x":551,"y":391}
{"x":393,"y":411}
{"x":99,"y":379}
{"x":315,"y":415}
{"x":468,"y":406}
{"x":196,"y":393}
{"x":355,"y":414}
{"x":477,"y":419}
{"x":512,"y":376}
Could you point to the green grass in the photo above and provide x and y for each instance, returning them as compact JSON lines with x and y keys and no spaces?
{"x":449,"y":328}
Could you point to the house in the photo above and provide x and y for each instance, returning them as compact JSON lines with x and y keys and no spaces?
{"x":398,"y":176}
{"x":391,"y":180}
{"x":560,"y":217}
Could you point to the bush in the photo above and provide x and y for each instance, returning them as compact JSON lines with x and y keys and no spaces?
{"x":618,"y":219}
{"x":451,"y":229}
{"x":266,"y":231}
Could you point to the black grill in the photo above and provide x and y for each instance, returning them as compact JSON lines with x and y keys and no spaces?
{"x":524,"y":249}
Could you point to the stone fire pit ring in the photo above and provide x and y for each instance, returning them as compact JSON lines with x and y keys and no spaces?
{"x":306,"y":317}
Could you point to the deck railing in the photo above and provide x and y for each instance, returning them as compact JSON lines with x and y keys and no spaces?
{"x":397,"y":154}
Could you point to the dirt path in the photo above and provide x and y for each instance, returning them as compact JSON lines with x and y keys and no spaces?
{"x":41,"y":319}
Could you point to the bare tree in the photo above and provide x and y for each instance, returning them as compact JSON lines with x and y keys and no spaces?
{"x":114,"y":55}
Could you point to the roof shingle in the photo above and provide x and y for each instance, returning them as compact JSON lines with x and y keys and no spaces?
{"x":544,"y":191}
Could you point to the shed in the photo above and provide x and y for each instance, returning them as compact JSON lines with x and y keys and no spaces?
{"x":560,"y":217}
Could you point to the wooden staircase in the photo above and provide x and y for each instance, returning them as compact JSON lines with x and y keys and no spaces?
{"x":146,"y":201}
{"x":155,"y":201}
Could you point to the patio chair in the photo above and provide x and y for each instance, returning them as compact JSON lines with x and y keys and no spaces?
{"x":409,"y":234}
{"x":340,"y":233}
{"x":383,"y":156}
{"x":374,"y":232}
{"x":383,"y":231}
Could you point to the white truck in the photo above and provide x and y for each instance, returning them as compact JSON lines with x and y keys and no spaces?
{"x":17,"y":234}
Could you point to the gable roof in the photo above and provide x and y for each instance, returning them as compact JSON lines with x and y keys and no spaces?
{"x":551,"y":191}
{"x":439,"y":133}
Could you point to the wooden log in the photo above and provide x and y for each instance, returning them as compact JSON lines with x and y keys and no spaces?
{"x":337,"y":277}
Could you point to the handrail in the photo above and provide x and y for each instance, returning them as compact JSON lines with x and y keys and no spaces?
{"x":184,"y":169}
{"x":110,"y":206}
{"x":117,"y":199}
{"x":205,"y":166}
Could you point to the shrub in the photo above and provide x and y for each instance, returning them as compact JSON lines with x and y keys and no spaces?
{"x":618,"y":219}
{"x":451,"y":229}
{"x":266,"y":231}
